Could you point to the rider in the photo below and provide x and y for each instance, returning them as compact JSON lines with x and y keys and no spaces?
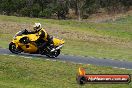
{"x":43,"y":35}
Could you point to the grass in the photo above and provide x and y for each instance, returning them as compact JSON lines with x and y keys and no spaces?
{"x":100,"y":49}
{"x":19,"y":72}
{"x":104,"y":40}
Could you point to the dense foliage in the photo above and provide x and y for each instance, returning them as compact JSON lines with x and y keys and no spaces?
{"x":62,"y":8}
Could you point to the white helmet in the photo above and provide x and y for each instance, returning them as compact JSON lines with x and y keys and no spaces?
{"x":37,"y":26}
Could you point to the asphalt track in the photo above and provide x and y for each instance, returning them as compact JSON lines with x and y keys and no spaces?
{"x":81,"y":60}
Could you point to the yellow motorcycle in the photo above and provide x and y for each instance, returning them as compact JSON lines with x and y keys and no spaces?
{"x":24,"y":42}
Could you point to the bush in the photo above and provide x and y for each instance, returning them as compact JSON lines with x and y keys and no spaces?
{"x":25,"y":11}
{"x":35,"y":10}
{"x":46,"y":13}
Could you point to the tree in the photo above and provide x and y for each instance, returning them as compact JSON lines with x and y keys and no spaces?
{"x":90,"y":7}
{"x":48,"y":8}
{"x":80,"y":4}
{"x":61,"y":8}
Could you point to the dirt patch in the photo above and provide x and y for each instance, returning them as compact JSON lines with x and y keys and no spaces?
{"x":13,"y":27}
{"x":10,"y":28}
{"x":104,"y":17}
{"x":87,"y":37}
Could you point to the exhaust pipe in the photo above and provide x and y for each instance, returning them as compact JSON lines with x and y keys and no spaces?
{"x":57,"y":48}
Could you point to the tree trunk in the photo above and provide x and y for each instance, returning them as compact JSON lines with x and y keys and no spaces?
{"x":80,"y":4}
{"x":79,"y":14}
{"x":76,"y":7}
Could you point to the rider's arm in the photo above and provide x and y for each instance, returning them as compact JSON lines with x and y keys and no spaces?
{"x":42,"y":34}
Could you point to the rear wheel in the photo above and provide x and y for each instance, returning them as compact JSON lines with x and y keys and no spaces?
{"x":13,"y":49}
{"x":53,"y":54}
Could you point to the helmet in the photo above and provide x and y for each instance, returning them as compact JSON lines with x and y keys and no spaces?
{"x":37,"y":26}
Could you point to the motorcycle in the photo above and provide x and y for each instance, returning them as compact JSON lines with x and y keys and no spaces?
{"x":24,"y":42}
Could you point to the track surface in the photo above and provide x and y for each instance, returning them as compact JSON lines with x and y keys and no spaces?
{"x":83,"y":60}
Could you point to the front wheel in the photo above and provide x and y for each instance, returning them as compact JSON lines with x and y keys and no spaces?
{"x":53,"y":54}
{"x":13,"y":49}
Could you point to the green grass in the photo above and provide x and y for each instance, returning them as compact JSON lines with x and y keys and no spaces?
{"x":102,"y":50}
{"x":19,"y":72}
{"x":104,"y":40}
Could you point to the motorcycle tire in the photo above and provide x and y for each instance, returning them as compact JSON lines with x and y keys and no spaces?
{"x":13,"y":49}
{"x":53,"y":54}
